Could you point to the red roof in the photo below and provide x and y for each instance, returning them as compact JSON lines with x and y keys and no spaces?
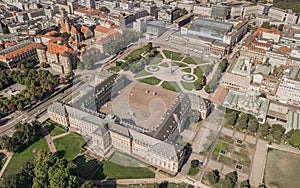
{"x":220,"y":95}
{"x":103,"y":29}
{"x":90,"y":11}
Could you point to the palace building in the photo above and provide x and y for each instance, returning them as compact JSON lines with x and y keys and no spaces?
{"x":134,"y":118}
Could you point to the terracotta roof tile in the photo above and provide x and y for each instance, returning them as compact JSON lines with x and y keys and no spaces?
{"x":103,"y":29}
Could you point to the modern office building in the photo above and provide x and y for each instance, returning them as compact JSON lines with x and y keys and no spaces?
{"x":210,"y":28}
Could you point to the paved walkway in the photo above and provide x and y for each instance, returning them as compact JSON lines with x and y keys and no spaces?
{"x":258,"y":163}
{"x":9,"y":156}
{"x":61,"y":135}
{"x":50,"y":143}
{"x":151,"y":181}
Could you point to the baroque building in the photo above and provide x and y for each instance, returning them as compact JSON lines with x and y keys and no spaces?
{"x":156,"y":146}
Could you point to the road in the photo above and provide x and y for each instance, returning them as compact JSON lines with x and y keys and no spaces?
{"x":31,"y":114}
{"x":151,"y":181}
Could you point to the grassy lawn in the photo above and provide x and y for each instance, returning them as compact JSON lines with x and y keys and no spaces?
{"x":227,"y":139}
{"x":164,"y":64}
{"x":204,"y":68}
{"x":69,"y":145}
{"x":172,"y":86}
{"x":110,"y":170}
{"x":54,"y":128}
{"x":126,"y":160}
{"x":219,"y":146}
{"x":189,"y":60}
{"x":198,"y":72}
{"x":135,"y":53}
{"x":194,"y":60}
{"x":193,"y":171}
{"x":85,"y":165}
{"x":187,"y":70}
{"x":282,"y":169}
{"x":187,"y":85}
{"x":57,"y":131}
{"x":157,"y":59}
{"x":28,"y":155}
{"x":179,"y":64}
{"x":115,"y":69}
{"x":142,"y":73}
{"x":227,"y":161}
{"x":173,"y":55}
{"x":151,"y":81}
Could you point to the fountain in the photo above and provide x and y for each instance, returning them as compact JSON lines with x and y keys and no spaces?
{"x":188,"y":77}
{"x":152,"y":68}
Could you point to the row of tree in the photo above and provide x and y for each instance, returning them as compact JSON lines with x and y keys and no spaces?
{"x":121,"y":42}
{"x":38,"y":84}
{"x":25,"y":135}
{"x":212,"y":84}
{"x":229,"y":181}
{"x":48,"y":171}
{"x":276,"y":133}
{"x":201,"y":81}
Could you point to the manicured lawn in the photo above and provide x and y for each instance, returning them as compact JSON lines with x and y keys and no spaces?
{"x":189,"y":60}
{"x":85,"y":165}
{"x":179,"y":64}
{"x":203,"y":68}
{"x":170,"y":86}
{"x":164,"y":64}
{"x":198,"y":72}
{"x":110,"y":170}
{"x":219,"y":146}
{"x":157,"y":59}
{"x":69,"y":145}
{"x":173,"y":55}
{"x":136,"y":53}
{"x":57,"y":131}
{"x":187,"y":85}
{"x":28,"y":155}
{"x":151,"y":81}
{"x":187,"y":70}
{"x":193,"y":171}
{"x":54,"y":128}
{"x":142,"y":73}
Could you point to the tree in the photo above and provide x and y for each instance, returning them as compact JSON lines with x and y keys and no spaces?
{"x":20,"y":179}
{"x":232,"y":117}
{"x":194,"y":163}
{"x":104,"y":9}
{"x":213,"y":177}
{"x":194,"y":115}
{"x":62,"y":80}
{"x":245,"y":184}
{"x":263,"y":95}
{"x":266,"y":25}
{"x":277,"y":131}
{"x":242,"y":121}
{"x":295,"y":138}
{"x":88,"y":184}
{"x":264,"y":129}
{"x":252,"y":124}
{"x":230,"y":180}
{"x":51,"y":171}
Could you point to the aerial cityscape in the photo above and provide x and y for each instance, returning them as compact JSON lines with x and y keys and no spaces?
{"x":149,"y":94}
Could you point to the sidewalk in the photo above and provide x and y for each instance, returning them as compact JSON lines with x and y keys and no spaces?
{"x":9,"y":156}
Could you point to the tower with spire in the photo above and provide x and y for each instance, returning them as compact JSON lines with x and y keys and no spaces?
{"x":64,"y":19}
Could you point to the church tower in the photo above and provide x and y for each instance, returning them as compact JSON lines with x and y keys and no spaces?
{"x":64,"y":19}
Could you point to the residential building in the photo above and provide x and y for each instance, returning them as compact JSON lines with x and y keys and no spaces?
{"x":10,"y":56}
